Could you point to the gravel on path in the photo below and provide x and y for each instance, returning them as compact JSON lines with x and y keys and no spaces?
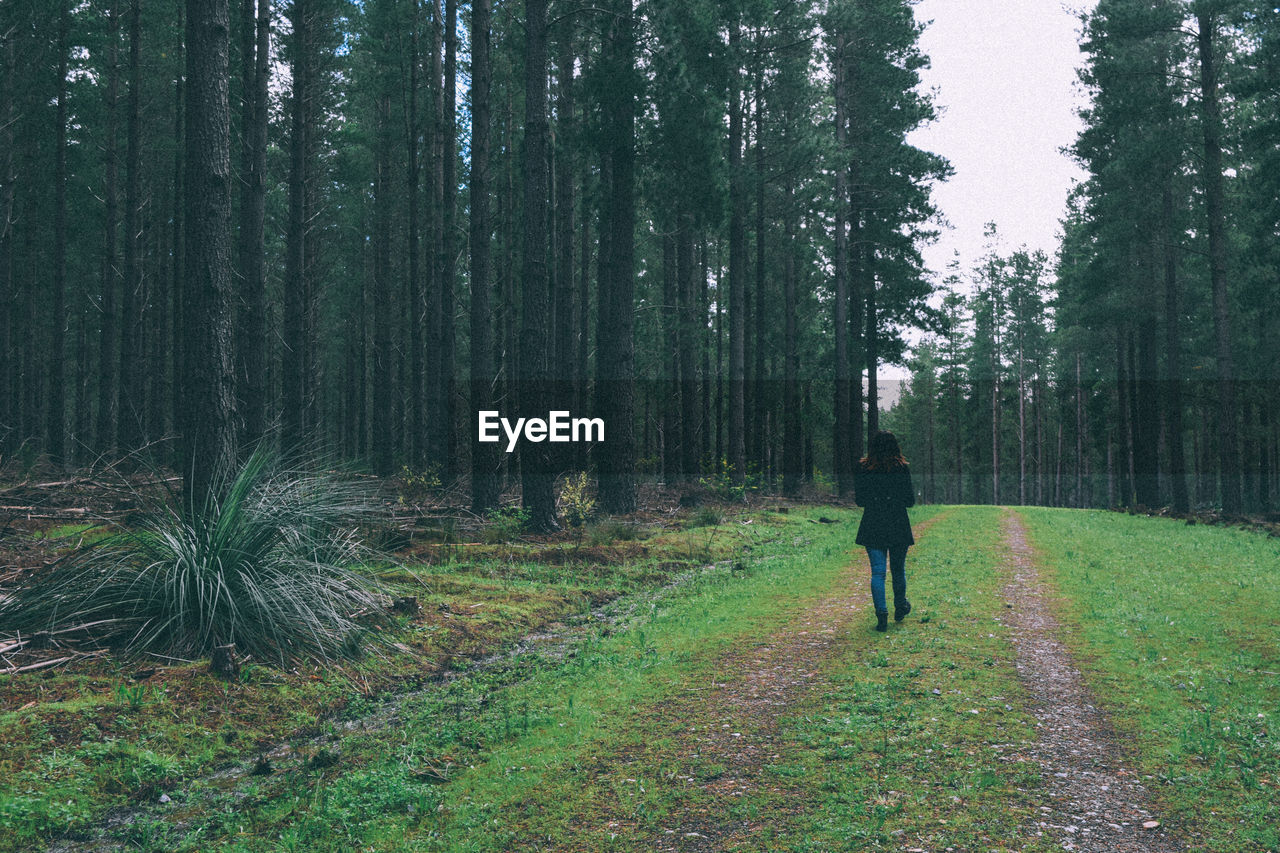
{"x":1096,"y":801}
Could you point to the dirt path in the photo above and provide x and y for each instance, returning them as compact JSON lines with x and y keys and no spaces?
{"x":761,"y":682}
{"x":1096,"y":802}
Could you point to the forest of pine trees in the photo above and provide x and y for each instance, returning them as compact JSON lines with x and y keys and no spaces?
{"x":345,"y":226}
{"x":1139,"y":368}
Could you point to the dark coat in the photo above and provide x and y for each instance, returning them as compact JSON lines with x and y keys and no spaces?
{"x":885,"y":496}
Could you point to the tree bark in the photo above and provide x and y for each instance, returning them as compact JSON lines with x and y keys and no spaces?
{"x":8,"y":298}
{"x":57,"y":348}
{"x":178,"y":250}
{"x":485,"y":482}
{"x":669,"y":402}
{"x":435,"y":146}
{"x":686,"y":278}
{"x":615,"y":353}
{"x":209,"y":434}
{"x":294,"y":367}
{"x":870,"y":343}
{"x":844,"y":452}
{"x":448,"y":246}
{"x":383,"y":433}
{"x":737,"y":273}
{"x":129,"y":405}
{"x":251,"y":327}
{"x":536,"y":475}
{"x":1228,"y":442}
{"x":564,"y":372}
{"x":107,"y":347}
{"x":756,"y":402}
{"x":1146,"y":416}
{"x":792,"y":471}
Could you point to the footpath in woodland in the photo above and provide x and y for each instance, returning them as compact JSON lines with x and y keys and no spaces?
{"x":1084,"y":797}
{"x":1095,"y":801}
{"x":749,"y":707}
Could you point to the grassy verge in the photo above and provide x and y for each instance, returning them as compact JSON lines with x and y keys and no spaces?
{"x":1178,"y":630}
{"x":917,"y":741}
{"x":499,"y":759}
{"x":104,"y":734}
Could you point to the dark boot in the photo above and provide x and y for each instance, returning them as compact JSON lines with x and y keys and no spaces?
{"x":900,"y":611}
{"x":882,"y":620}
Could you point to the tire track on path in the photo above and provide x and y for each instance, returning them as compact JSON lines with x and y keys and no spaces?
{"x":1096,"y":801}
{"x":762,"y":680}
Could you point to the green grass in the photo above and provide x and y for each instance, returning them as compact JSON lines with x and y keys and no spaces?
{"x":272,"y":562}
{"x":588,"y":746}
{"x":880,"y":760}
{"x":54,"y":777}
{"x":1178,"y":630}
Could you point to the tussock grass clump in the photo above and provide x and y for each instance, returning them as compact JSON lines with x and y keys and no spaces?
{"x":272,"y":561}
{"x":611,"y":530}
{"x":705,"y":516}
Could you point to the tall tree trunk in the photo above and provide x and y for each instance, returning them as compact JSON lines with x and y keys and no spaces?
{"x":1267,"y":462}
{"x":209,"y":433}
{"x":844,"y":451}
{"x":485,"y":481}
{"x":737,"y":272}
{"x":178,"y":250}
{"x":57,"y":345}
{"x":995,"y":428}
{"x":416,"y":307}
{"x":1146,"y":416}
{"x":1124,"y":414}
{"x":583,"y":323}
{"x":1228,"y":441}
{"x":383,"y":435}
{"x":294,"y":367}
{"x":870,"y":344}
{"x":687,"y":342}
{"x":719,"y":333}
{"x":1080,"y":458}
{"x":704,"y":345}
{"x":565,"y":366}
{"x":536,"y":474}
{"x":792,"y":471}
{"x":30,"y":422}
{"x":858,"y":274}
{"x":251,"y":342}
{"x":8,"y":298}
{"x":756,"y":403}
{"x":435,"y":146}
{"x":615,"y":358}
{"x":129,"y":405}
{"x":1022,"y":419}
{"x":670,"y":403}
{"x":448,"y":245}
{"x":107,"y":350}
{"x":509,"y":358}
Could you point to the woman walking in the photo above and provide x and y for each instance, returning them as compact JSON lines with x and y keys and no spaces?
{"x":882,"y":486}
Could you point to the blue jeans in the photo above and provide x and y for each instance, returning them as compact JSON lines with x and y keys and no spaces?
{"x":897,"y":558}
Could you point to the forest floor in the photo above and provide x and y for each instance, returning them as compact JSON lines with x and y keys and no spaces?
{"x":707,"y":680}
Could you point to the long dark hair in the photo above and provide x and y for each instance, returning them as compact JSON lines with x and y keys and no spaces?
{"x":884,"y":453}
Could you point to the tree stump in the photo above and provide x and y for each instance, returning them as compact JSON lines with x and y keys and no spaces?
{"x":223,"y":661}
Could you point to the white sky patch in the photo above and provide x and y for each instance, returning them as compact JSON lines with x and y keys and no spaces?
{"x":1005,"y":76}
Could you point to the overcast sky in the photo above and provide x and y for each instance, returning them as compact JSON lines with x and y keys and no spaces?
{"x":1005,"y":76}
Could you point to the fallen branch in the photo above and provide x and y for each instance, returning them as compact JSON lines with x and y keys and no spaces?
{"x":48,"y":513}
{"x":42,"y":665}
